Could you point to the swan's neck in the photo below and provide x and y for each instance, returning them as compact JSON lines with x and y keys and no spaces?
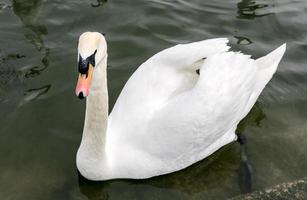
{"x":92,"y":149}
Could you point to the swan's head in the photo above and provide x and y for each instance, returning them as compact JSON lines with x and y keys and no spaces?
{"x":92,"y":49}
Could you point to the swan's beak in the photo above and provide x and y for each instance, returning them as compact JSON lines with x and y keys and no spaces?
{"x":84,"y":82}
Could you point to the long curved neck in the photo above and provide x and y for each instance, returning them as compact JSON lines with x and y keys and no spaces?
{"x":93,"y":141}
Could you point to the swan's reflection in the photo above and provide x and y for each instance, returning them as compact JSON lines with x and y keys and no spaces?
{"x":245,"y":176}
{"x":254,"y":118}
{"x":36,"y":70}
{"x":28,"y":13}
{"x":247,"y":9}
{"x":93,"y":190}
{"x":214,"y":173}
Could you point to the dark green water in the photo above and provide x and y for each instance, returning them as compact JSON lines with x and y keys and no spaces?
{"x":41,"y":119}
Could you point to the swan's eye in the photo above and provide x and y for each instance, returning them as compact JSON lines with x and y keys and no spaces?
{"x":83,"y":65}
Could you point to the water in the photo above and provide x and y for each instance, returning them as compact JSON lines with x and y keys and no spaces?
{"x":42,"y":120}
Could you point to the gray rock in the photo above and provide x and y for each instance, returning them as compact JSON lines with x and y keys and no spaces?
{"x":296,"y":190}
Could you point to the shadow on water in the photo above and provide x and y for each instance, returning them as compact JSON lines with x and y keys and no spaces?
{"x":93,"y":190}
{"x":28,"y":13}
{"x":245,"y":171}
{"x":255,"y":116}
{"x":247,"y":9}
{"x":184,"y":183}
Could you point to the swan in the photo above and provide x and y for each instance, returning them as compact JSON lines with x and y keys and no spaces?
{"x":178,"y":107}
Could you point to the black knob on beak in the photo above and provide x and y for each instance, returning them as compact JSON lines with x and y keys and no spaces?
{"x":81,"y":96}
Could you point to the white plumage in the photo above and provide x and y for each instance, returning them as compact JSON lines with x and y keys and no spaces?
{"x":168,"y":117}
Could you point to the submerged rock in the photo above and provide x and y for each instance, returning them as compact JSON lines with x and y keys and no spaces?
{"x":296,"y":190}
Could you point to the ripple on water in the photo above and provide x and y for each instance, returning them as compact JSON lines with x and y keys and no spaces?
{"x":250,"y":9}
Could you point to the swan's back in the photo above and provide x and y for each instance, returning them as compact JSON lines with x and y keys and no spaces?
{"x":169,"y":117}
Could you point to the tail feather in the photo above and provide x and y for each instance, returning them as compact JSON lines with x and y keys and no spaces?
{"x":267,"y":66}
{"x":272,"y":59}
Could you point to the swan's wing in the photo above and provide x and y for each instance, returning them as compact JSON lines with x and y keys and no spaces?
{"x":183,"y":56}
{"x":197,"y":122}
{"x":161,"y":77}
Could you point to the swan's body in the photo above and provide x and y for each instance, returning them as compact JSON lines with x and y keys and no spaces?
{"x":168,"y":117}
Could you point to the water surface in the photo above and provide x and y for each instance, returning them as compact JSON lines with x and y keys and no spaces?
{"x":42,"y":120}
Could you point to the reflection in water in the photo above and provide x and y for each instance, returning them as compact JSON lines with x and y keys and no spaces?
{"x":243,"y":40}
{"x":11,"y":57}
{"x":28,"y":12}
{"x":36,"y":70}
{"x":99,"y":3}
{"x":245,"y":169}
{"x":204,"y":176}
{"x":93,"y":190}
{"x":245,"y":176}
{"x":35,"y":93}
{"x":247,"y":9}
{"x":254,"y":117}
{"x":3,"y":6}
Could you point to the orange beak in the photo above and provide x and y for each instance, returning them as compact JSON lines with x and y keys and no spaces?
{"x":84,"y":83}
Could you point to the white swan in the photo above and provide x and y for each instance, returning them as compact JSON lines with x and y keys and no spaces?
{"x":167,"y":117}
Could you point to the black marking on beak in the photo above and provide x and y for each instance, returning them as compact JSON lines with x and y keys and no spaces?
{"x":84,"y":63}
{"x":81,"y":96}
